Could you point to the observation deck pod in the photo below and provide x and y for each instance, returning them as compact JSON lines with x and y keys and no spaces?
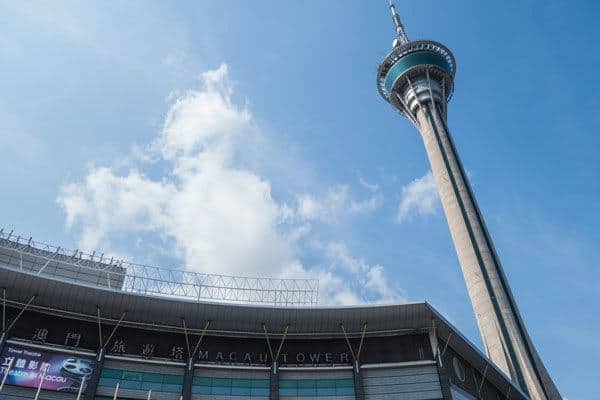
{"x":415,"y":71}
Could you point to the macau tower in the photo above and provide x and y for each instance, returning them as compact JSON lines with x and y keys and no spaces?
{"x":417,"y":79}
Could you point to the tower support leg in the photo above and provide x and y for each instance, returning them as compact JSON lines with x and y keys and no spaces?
{"x":444,"y":380}
{"x":92,"y":384}
{"x":188,"y":380}
{"x":274,"y":382}
{"x":359,"y":392}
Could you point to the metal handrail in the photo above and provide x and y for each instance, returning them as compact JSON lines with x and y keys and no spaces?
{"x":96,"y":269}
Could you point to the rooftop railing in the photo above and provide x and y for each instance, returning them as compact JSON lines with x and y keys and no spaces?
{"x":19,"y":252}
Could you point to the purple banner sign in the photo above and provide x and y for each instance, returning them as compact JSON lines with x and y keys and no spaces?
{"x":63,"y":372}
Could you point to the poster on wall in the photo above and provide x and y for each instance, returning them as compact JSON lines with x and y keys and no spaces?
{"x":60,"y":372}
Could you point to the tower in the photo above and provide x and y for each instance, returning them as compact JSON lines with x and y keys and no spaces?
{"x":417,"y":79}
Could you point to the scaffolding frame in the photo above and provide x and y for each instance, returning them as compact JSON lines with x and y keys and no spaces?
{"x":95,"y":269}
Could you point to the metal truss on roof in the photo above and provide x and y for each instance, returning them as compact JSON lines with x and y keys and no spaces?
{"x":110,"y":273}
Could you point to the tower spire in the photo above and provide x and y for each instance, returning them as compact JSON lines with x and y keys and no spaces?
{"x":401,"y":37}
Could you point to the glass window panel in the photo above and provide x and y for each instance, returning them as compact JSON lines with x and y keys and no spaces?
{"x":132,"y":375}
{"x":260,"y":392}
{"x":241,"y":383}
{"x":155,"y":386}
{"x":130,"y":384}
{"x":325,"y":391}
{"x":325,"y":383}
{"x":171,"y":388}
{"x":240,"y":391}
{"x":148,"y":377}
{"x":173,"y":379}
{"x":344,"y":391}
{"x":344,"y":383}
{"x":201,"y":389}
{"x":111,"y":373}
{"x":307,"y":383}
{"x":261,"y":383}
{"x":288,"y":391}
{"x":409,"y":61}
{"x":108,"y":382}
{"x":288,"y":383}
{"x":307,"y":392}
{"x":221,"y":382}
{"x":224,"y":390}
{"x":202,"y":380}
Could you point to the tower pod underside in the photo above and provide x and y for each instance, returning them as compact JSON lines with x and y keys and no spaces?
{"x":404,"y":76}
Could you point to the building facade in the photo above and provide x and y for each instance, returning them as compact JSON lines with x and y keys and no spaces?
{"x":69,"y":339}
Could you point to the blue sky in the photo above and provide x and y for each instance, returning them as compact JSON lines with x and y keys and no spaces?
{"x":249,"y":138}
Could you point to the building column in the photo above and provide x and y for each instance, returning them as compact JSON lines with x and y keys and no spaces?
{"x":274,"y":372}
{"x":188,"y":380}
{"x":92,"y":384}
{"x":3,"y":336}
{"x":356,"y":373}
{"x":274,"y":382}
{"x":444,"y":381}
{"x":188,"y":376}
{"x":359,"y":392}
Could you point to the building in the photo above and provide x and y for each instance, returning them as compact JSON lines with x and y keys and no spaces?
{"x":417,"y":78}
{"x":79,"y":326}
{"x":64,"y":338}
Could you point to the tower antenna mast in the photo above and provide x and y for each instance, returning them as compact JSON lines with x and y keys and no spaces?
{"x":401,"y":37}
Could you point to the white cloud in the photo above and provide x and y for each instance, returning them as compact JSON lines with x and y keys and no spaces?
{"x":334,"y":204}
{"x":222,"y":218}
{"x":174,"y":58}
{"x":204,"y":122}
{"x":219,"y":216}
{"x":366,"y":206}
{"x":336,"y":290}
{"x":362,"y":280}
{"x":107,"y":203}
{"x":376,"y":281}
{"x":326,"y":208}
{"x":420,"y":197}
{"x":373,"y":187}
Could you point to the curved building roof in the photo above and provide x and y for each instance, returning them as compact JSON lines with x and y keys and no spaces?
{"x":82,"y":301}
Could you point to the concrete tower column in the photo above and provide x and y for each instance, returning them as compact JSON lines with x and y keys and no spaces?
{"x":188,"y":380}
{"x":465,"y":230}
{"x":506,"y":341}
{"x":417,"y":78}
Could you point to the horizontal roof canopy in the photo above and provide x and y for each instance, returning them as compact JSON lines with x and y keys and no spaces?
{"x":152,"y":312}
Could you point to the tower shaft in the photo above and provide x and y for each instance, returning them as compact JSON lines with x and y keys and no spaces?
{"x":417,"y":78}
{"x":505,"y":338}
